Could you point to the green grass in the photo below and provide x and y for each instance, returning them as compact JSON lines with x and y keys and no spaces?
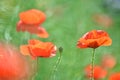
{"x":67,"y":21}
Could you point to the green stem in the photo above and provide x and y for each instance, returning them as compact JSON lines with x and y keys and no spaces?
{"x":37,"y":66}
{"x":92,"y":69}
{"x":56,"y":64}
{"x":35,"y":69}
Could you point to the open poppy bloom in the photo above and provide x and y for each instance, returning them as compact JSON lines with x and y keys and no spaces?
{"x":115,"y":76}
{"x":13,"y":66}
{"x":94,"y":39}
{"x":108,"y":61}
{"x":103,"y":20}
{"x":33,"y":29}
{"x":99,"y":72}
{"x":37,"y":48}
{"x":30,"y":21}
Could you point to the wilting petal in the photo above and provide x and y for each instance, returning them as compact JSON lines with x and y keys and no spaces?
{"x":99,"y":72}
{"x":94,"y":39}
{"x":32,"y":16}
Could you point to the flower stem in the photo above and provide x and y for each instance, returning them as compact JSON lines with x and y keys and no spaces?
{"x":56,"y":64}
{"x":92,"y":61}
{"x":35,"y":69}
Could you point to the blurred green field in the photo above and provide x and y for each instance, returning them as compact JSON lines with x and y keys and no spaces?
{"x":67,"y":21}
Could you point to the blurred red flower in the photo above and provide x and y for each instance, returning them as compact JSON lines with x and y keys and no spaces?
{"x":32,"y":17}
{"x":103,"y":20}
{"x":99,"y":72}
{"x":37,"y":48}
{"x":94,"y":39}
{"x":30,"y":21}
{"x":108,"y":61}
{"x":13,"y":66}
{"x":115,"y":76}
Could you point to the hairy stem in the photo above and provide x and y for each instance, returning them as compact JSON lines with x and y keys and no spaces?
{"x":92,"y":62}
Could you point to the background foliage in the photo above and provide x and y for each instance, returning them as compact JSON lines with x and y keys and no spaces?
{"x":67,"y":21}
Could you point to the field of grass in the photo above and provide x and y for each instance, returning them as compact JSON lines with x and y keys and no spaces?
{"x":66,"y":22}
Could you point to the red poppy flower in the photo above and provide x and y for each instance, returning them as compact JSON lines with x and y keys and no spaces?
{"x":37,"y":48}
{"x":94,"y":39}
{"x":99,"y":72}
{"x":103,"y":20}
{"x":13,"y":66}
{"x":32,"y":17}
{"x":115,"y":76}
{"x":33,"y":29}
{"x":30,"y":21}
{"x":108,"y":61}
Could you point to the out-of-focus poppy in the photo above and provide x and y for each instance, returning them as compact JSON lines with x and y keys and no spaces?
{"x":37,"y":48}
{"x":32,"y":17}
{"x":108,"y":61}
{"x":115,"y":76}
{"x":33,"y":29}
{"x":94,"y":39}
{"x":103,"y":20}
{"x":13,"y":66}
{"x":30,"y":21}
{"x":98,"y":73}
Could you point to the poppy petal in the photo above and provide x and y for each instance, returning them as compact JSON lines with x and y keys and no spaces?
{"x":43,"y":50}
{"x":42,"y":32}
{"x":33,"y":29}
{"x":104,"y":41}
{"x":32,"y":16}
{"x":24,"y":50}
{"x":38,"y":48}
{"x":82,"y":43}
{"x":34,"y":42}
